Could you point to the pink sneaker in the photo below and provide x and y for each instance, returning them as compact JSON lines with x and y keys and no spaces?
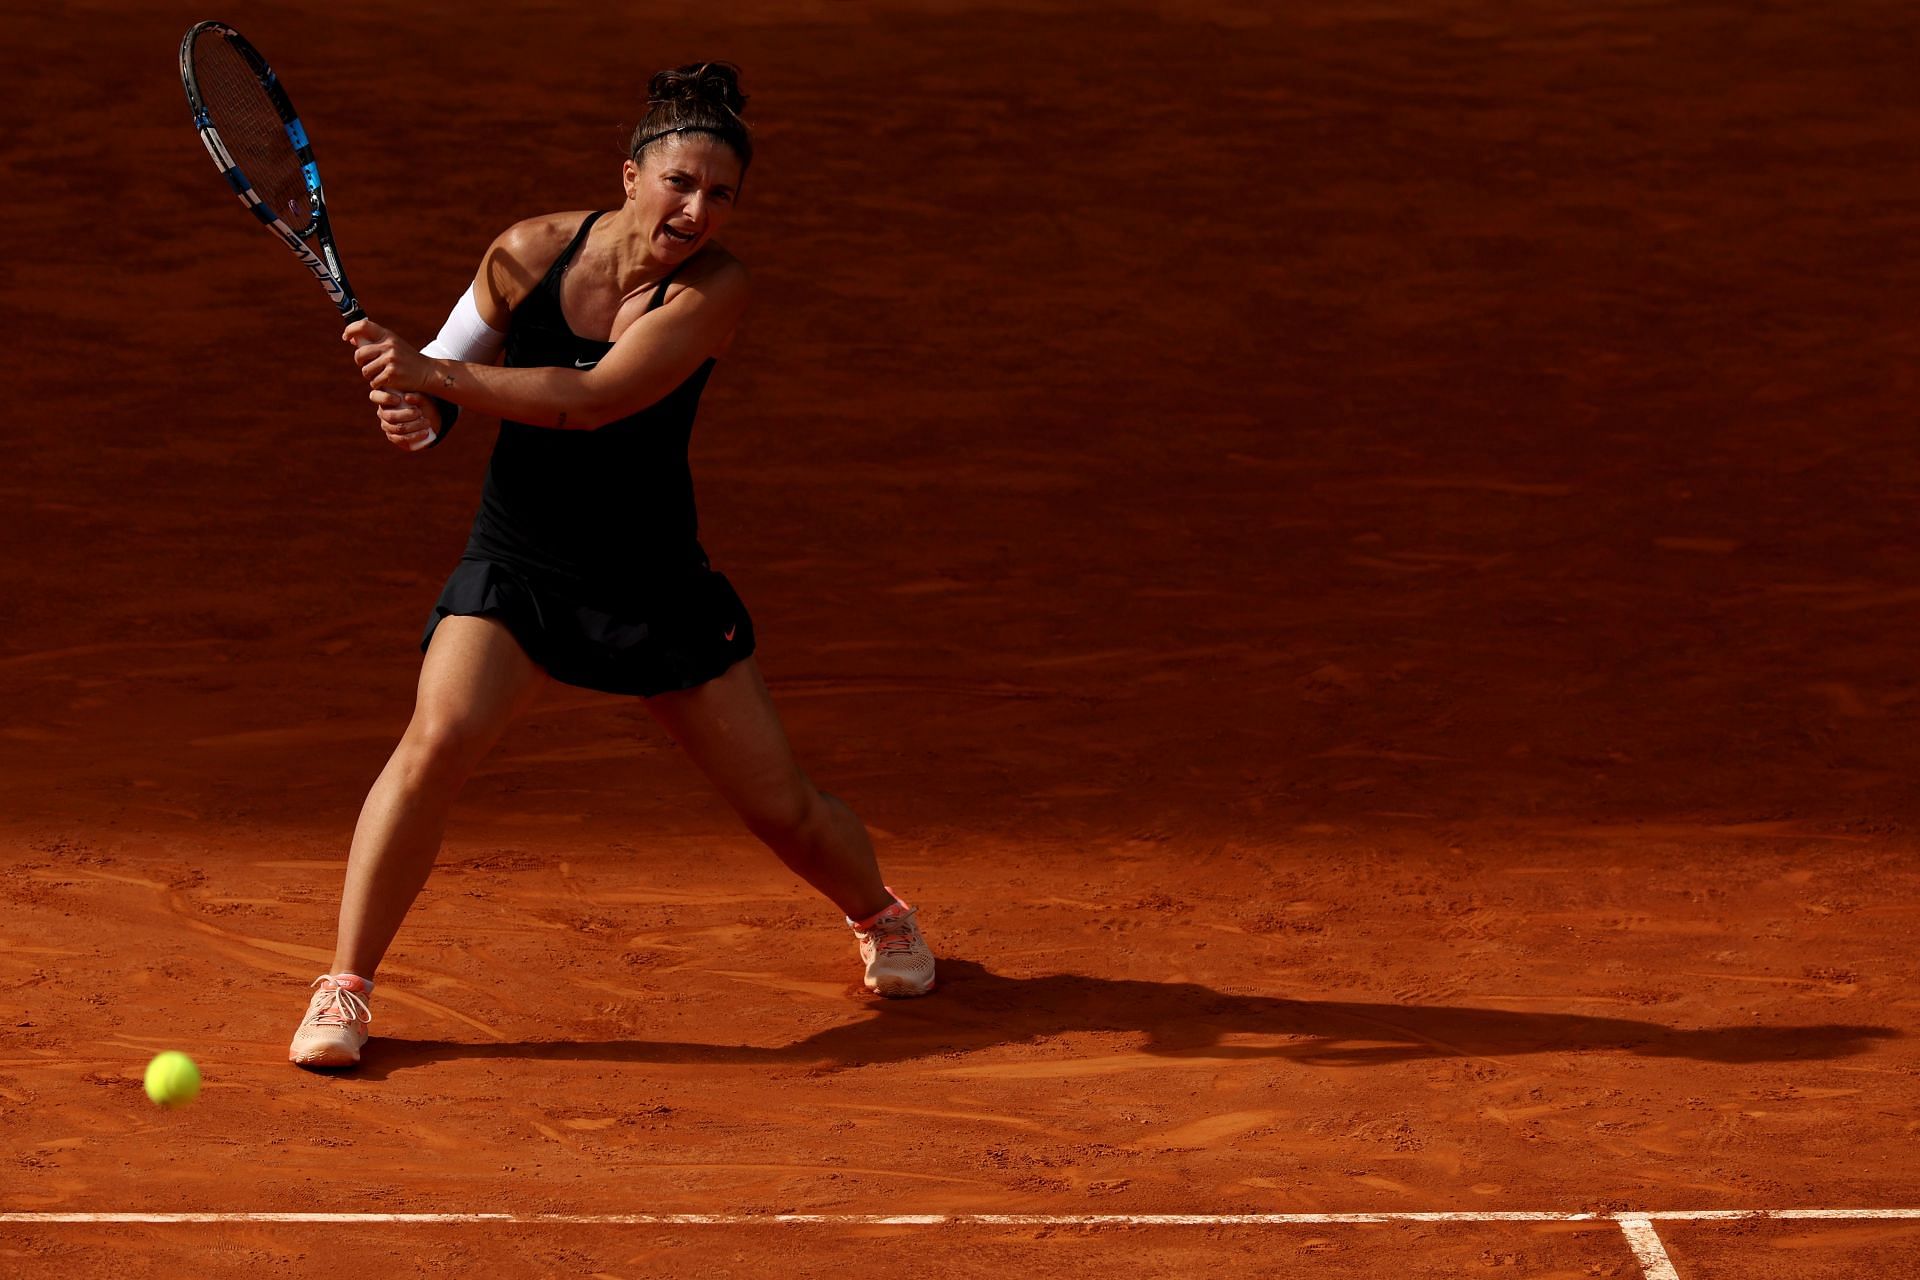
{"x":899,"y":962}
{"x":335,"y":1028}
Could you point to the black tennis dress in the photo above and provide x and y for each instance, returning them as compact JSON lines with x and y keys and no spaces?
{"x":586,"y":545}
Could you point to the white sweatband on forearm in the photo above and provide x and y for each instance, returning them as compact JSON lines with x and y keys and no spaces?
{"x":465,"y":337}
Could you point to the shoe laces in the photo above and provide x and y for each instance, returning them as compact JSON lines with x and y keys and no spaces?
{"x":337,"y":1006}
{"x":894,"y":937}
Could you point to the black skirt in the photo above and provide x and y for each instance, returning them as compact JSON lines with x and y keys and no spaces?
{"x":673,"y":637}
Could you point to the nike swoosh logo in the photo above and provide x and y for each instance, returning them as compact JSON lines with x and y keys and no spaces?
{"x":585,"y":364}
{"x":730,"y":631}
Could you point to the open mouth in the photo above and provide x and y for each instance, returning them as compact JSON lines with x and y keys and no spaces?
{"x":681,"y":236}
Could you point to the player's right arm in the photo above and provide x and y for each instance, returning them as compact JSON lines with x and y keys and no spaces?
{"x":477,"y":325}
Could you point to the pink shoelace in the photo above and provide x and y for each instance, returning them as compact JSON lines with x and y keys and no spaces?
{"x":893,"y":937}
{"x":337,"y":1006}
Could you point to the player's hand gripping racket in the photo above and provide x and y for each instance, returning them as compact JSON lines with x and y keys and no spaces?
{"x":256,"y":140}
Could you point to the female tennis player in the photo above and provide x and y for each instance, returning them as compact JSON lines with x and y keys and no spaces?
{"x":583,"y":564}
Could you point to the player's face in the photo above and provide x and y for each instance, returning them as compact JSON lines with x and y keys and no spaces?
{"x":682,"y":191}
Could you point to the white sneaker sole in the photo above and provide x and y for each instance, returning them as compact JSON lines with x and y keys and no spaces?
{"x":328,"y":1056}
{"x":901,"y":988}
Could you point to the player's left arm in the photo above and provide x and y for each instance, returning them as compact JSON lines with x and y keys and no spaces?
{"x":655,"y":354}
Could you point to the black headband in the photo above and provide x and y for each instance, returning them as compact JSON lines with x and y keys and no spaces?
{"x":685,"y":128}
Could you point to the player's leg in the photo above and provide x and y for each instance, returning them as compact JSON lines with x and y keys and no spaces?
{"x":729,"y":729}
{"x":474,"y":680}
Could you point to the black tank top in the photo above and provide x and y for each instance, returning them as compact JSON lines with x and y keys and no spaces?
{"x":607,"y":513}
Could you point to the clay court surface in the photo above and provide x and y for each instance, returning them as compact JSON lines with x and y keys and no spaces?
{"x":1358,"y":559}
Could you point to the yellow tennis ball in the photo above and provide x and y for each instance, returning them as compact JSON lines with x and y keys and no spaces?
{"x":172,"y":1079}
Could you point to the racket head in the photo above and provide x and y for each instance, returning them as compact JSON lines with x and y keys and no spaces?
{"x":250,"y":128}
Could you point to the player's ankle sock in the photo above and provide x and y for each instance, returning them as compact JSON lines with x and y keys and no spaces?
{"x":870,"y":921}
{"x":353,"y":982}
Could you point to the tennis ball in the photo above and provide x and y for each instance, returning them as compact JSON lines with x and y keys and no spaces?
{"x":172,"y":1079}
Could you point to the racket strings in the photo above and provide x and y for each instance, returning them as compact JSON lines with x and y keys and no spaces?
{"x":249,"y":124}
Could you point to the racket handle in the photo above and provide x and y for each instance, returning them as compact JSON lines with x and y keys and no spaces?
{"x":354,"y":314}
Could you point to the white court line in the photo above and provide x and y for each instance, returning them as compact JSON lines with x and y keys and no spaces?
{"x":1624,"y":1218}
{"x":1642,"y":1239}
{"x":1647,"y":1249}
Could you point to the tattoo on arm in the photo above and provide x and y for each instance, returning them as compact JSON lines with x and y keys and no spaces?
{"x":446,"y":379}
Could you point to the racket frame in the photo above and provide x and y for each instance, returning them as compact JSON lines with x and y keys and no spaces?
{"x":325,"y":265}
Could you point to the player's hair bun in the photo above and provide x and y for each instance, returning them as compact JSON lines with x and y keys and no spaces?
{"x":717,"y":83}
{"x":701,"y":97}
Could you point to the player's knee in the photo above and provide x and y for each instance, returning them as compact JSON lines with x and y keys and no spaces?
{"x":439,"y":746}
{"x":797,"y":819}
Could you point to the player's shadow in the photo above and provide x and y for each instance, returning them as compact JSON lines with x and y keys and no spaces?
{"x":977,"y":1009}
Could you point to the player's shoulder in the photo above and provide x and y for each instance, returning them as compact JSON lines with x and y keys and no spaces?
{"x":541,"y":237}
{"x":521,"y":254}
{"x":714,"y":270}
{"x":721,"y":285}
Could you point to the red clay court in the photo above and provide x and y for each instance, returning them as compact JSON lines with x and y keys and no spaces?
{"x":1357,"y":558}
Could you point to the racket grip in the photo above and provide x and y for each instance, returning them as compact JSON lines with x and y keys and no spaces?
{"x":353,"y":314}
{"x":350,"y":316}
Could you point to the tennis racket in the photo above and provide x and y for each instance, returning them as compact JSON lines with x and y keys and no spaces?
{"x":256,"y":140}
